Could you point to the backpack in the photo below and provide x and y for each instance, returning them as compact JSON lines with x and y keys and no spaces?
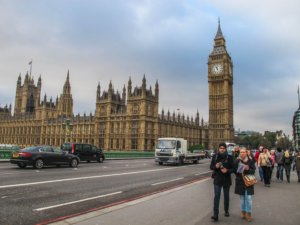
{"x":287,"y":160}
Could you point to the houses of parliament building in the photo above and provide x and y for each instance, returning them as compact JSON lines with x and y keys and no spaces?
{"x":129,"y":120}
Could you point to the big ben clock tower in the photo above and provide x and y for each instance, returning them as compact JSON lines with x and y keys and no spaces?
{"x":220,"y":81}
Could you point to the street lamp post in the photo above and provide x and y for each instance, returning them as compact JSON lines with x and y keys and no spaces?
{"x":68,"y":127}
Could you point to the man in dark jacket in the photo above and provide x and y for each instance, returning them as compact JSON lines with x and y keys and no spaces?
{"x":279,"y":162}
{"x":222,"y":166}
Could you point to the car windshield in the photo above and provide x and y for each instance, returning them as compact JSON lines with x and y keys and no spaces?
{"x":66,"y":146}
{"x":31,"y":149}
{"x":58,"y":150}
{"x":230,"y":150}
{"x":166,"y":144}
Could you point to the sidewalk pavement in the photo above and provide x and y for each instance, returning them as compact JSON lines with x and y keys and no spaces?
{"x":192,"y":205}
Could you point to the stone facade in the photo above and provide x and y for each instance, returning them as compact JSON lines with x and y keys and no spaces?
{"x":127,"y":121}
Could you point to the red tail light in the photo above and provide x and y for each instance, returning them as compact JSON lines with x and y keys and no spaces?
{"x":25,"y":154}
{"x":73,"y":148}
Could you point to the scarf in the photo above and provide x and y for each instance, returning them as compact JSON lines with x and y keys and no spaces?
{"x":222,"y":156}
{"x":245,"y":160}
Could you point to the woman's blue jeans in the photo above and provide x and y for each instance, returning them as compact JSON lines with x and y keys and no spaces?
{"x":246,"y":202}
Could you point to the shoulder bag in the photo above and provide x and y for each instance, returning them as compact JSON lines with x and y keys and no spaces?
{"x":249,"y":179}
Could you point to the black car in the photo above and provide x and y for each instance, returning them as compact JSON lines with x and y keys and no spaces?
{"x":40,"y":156}
{"x":86,"y":152}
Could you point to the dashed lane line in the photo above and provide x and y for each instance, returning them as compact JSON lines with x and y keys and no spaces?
{"x":73,"y":202}
{"x":167,"y":181}
{"x":198,"y":174}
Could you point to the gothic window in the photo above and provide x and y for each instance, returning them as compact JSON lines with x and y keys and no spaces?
{"x":134,"y":144}
{"x":30,"y":104}
{"x":101,"y":142}
{"x":112,"y":128}
{"x":135,"y":127}
{"x":117,"y":143}
{"x":118,"y":129}
{"x":102,"y":128}
{"x":124,"y":128}
{"x":111,"y":143}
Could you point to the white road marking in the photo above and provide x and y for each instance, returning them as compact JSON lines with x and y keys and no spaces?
{"x":90,"y":177}
{"x":8,"y":173}
{"x":73,"y":202}
{"x":197,"y":174}
{"x":163,"y":182}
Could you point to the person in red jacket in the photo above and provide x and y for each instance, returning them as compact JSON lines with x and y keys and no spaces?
{"x":260,"y":149}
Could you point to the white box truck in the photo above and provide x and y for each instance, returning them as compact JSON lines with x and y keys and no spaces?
{"x":174,"y":150}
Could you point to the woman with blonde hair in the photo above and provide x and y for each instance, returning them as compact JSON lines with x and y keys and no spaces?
{"x":287,"y":164}
{"x":244,"y":165}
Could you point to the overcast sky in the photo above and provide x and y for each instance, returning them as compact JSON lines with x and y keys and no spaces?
{"x":168,"y":41}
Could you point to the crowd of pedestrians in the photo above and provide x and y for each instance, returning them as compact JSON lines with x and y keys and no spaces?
{"x":242,"y":162}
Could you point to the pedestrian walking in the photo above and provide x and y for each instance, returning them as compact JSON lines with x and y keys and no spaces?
{"x":279,"y":164}
{"x":250,"y":155}
{"x":287,"y":164}
{"x":222,"y":167}
{"x":297,"y":164}
{"x":244,"y":165}
{"x":273,"y":161}
{"x":260,"y":172}
{"x":264,"y":162}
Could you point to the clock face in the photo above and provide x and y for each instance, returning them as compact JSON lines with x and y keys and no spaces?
{"x":217,"y":68}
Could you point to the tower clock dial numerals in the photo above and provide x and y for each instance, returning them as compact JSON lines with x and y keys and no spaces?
{"x":217,"y":68}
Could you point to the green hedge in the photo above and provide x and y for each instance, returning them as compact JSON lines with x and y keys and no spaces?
{"x":128,"y":154}
{"x":5,"y":154}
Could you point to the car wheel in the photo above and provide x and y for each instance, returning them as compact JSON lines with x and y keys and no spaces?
{"x":100,"y":159}
{"x":74,"y":163}
{"x":88,"y":161}
{"x":38,"y":164}
{"x":160,"y":163}
{"x":22,"y":165}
